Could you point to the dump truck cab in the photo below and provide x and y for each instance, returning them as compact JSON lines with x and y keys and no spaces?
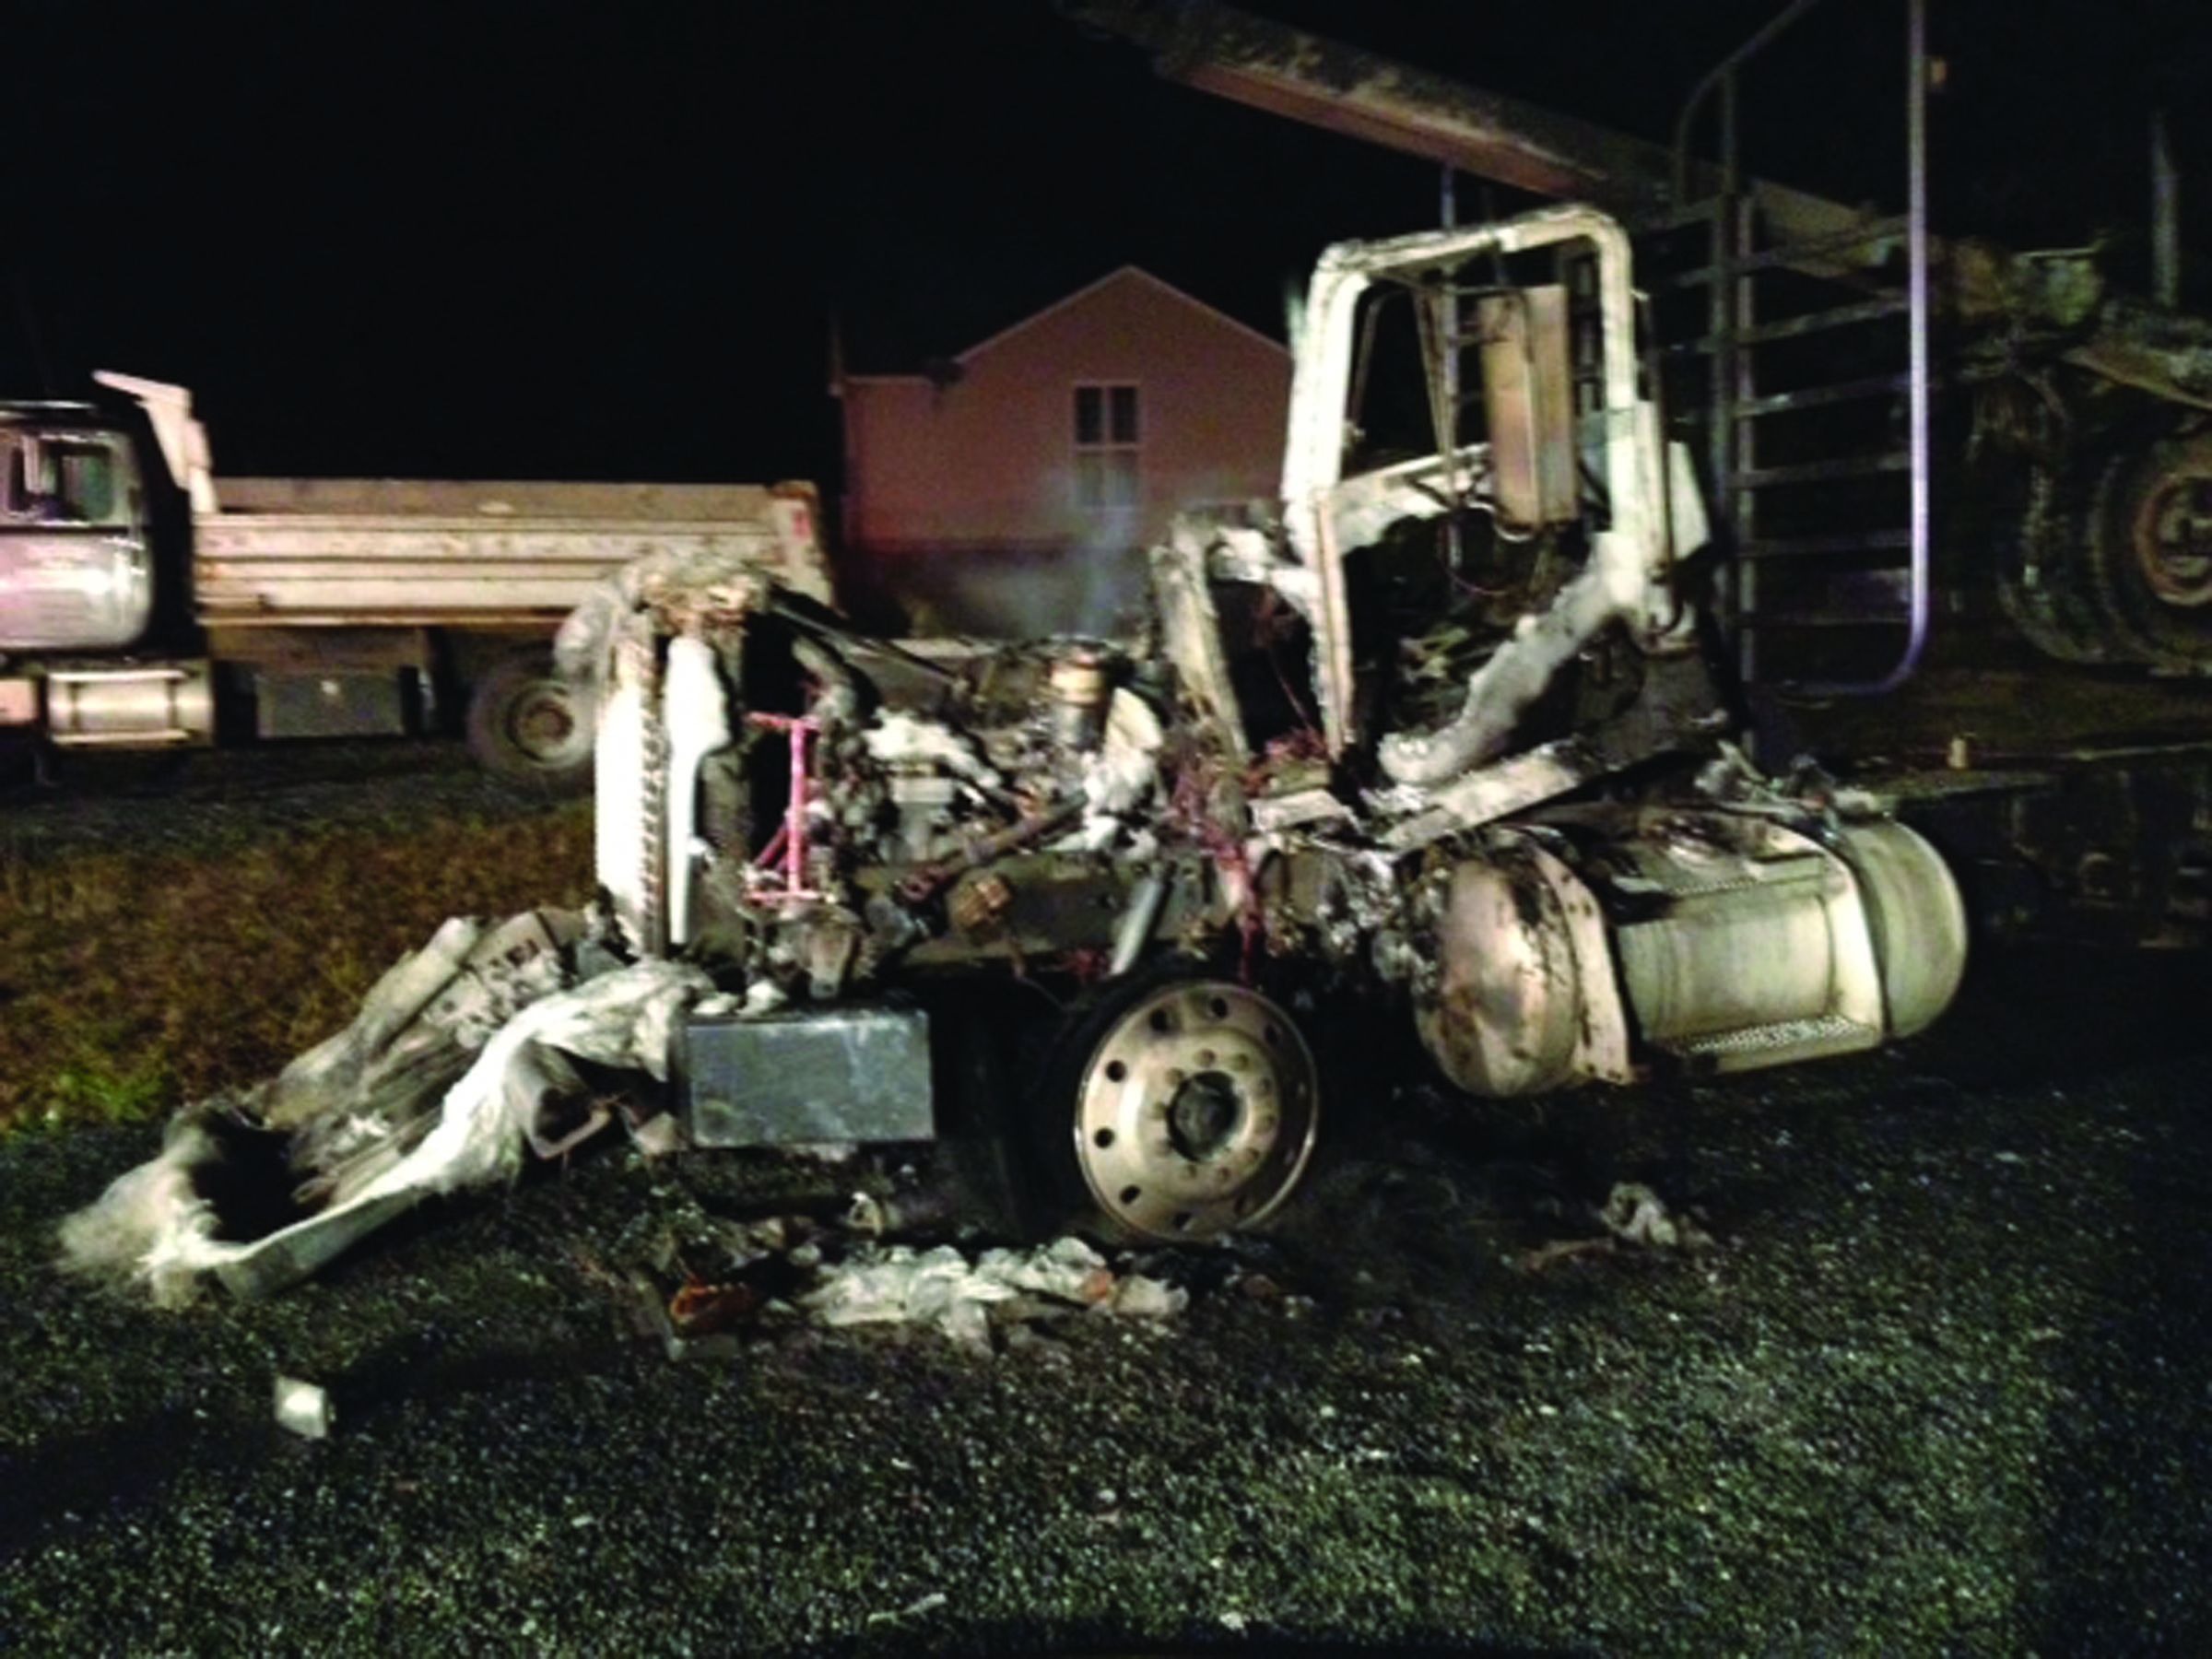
{"x":77,"y":551}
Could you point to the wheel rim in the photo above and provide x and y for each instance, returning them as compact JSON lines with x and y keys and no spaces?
{"x":1196,"y":1111}
{"x":2173,"y":539}
{"x":545,"y":727}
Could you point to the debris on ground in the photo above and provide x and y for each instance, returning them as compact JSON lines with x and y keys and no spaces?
{"x":1634,"y":1214}
{"x":1631,"y":1214}
{"x":967,"y":1295}
{"x":914,"y":1609}
{"x":1558,"y":1250}
{"x":303,"y":1408}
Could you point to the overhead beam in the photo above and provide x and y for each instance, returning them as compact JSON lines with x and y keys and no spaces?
{"x":1326,"y":84}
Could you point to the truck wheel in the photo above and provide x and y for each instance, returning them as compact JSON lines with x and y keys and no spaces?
{"x":528,"y":725}
{"x":2151,"y":529}
{"x":1195,"y":1104}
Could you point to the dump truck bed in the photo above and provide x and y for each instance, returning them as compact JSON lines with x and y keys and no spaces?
{"x":388,"y":551}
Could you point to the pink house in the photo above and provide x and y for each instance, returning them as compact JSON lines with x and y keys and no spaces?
{"x":1011,"y":490}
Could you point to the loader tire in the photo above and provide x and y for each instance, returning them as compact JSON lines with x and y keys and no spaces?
{"x":2150,"y":543}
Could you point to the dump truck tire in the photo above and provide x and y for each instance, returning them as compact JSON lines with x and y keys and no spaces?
{"x":528,"y":725}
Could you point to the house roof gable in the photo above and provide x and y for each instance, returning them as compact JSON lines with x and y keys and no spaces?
{"x":1128,"y":273}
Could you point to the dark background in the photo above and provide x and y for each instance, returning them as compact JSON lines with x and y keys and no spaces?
{"x":477,"y":240}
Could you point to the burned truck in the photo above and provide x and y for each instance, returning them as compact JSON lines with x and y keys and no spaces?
{"x":1439,"y":734}
{"x":1436,"y":747}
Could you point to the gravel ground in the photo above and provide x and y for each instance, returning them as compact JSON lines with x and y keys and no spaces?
{"x":1939,"y":1386}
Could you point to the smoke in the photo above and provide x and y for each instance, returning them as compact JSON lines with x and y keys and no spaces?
{"x":1094,"y":587}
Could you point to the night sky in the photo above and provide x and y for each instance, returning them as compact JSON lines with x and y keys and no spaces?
{"x":468,"y":239}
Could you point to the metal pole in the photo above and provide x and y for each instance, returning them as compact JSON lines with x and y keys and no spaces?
{"x":2165,"y":216}
{"x":1723,"y":75}
{"x":1917,"y":211}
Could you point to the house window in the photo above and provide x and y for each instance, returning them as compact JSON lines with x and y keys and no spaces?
{"x":1106,"y":447}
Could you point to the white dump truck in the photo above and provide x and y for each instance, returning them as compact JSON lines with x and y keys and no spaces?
{"x":144,"y":604}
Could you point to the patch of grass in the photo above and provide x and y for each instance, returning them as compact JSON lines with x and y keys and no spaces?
{"x":94,"y":1089}
{"x":131,"y":983}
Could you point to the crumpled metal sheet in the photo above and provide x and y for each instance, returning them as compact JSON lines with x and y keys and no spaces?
{"x":155,"y":1229}
{"x":354,"y":1103}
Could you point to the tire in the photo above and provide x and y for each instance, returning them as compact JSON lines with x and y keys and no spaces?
{"x":2058,"y":613}
{"x":2151,"y":547}
{"x":1177,"y":1111}
{"x":972,"y":1043}
{"x":528,"y":725}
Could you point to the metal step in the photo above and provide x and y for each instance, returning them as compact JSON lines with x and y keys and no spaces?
{"x":1826,"y":1034}
{"x":1815,"y":397}
{"x":1810,"y":253}
{"x":1828,"y":620}
{"x":1840,"y":544}
{"x":1800,"y":327}
{"x":1816,"y":472}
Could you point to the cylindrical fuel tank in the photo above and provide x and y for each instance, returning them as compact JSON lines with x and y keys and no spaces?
{"x":1505,"y":1010}
{"x":1757,"y":944}
{"x":1728,"y":939}
{"x":72,"y":589}
{"x":133,"y":707}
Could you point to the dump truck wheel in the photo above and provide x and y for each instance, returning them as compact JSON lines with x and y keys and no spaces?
{"x":528,"y":725}
{"x":1195,"y":1105}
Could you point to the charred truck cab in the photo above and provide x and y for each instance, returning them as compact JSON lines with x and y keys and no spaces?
{"x":1441,"y":728}
{"x":1447,"y":739}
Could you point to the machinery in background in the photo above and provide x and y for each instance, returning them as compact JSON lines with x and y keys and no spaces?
{"x":1892,"y":426}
